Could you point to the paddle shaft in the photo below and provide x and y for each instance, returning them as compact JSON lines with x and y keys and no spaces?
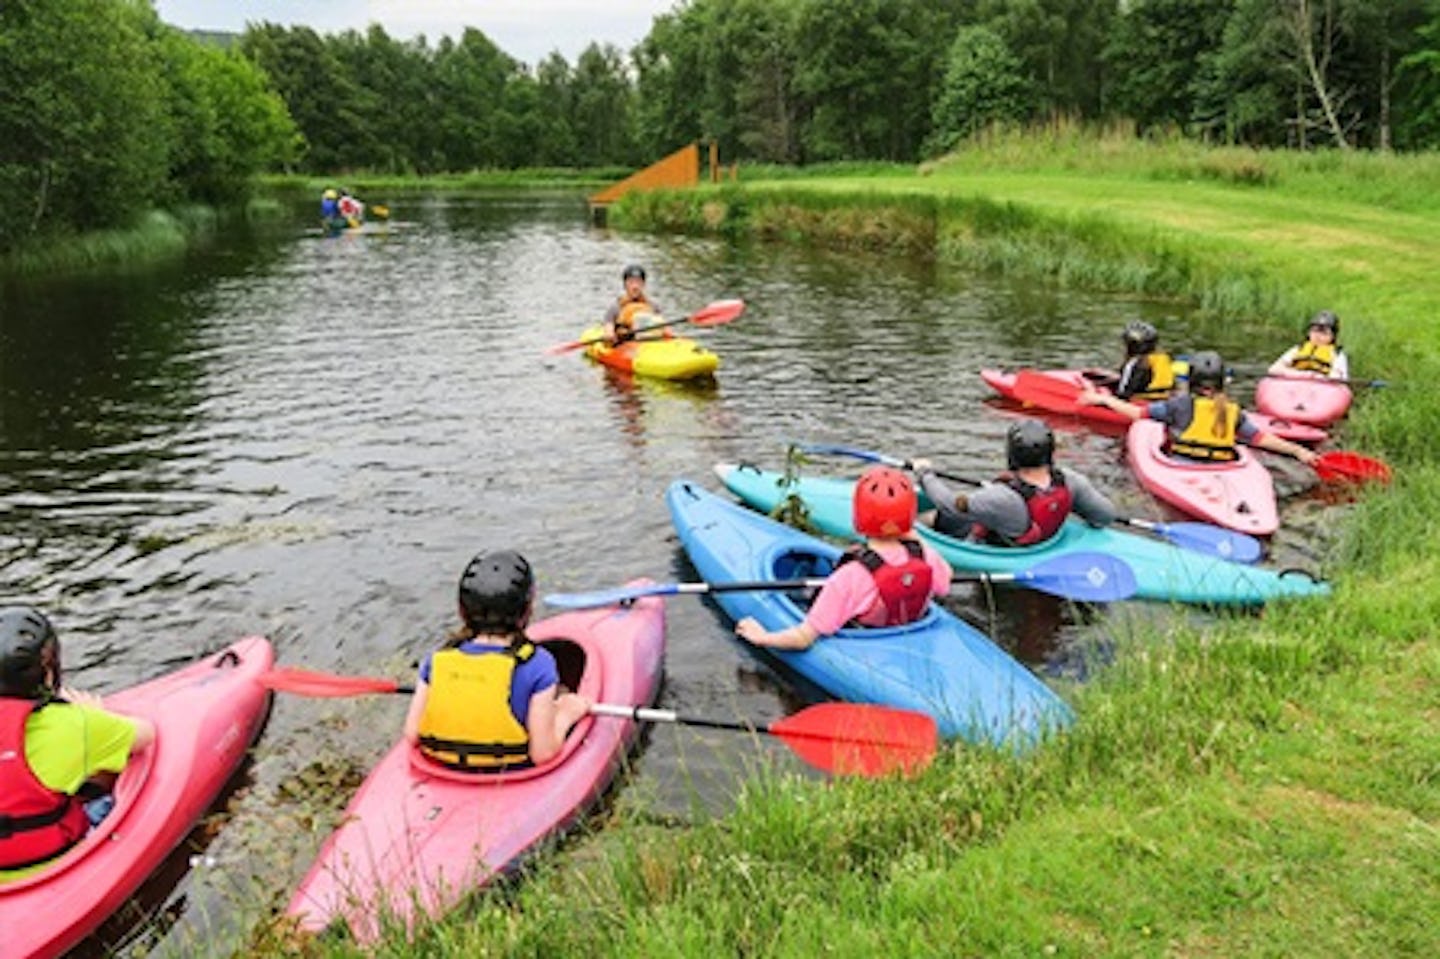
{"x":643,"y":714}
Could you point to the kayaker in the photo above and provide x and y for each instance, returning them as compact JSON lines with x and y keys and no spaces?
{"x":329,"y":205}
{"x":1027,"y":505}
{"x":886,"y":582}
{"x":1148,"y":372}
{"x":620,"y":319}
{"x":490,"y":699}
{"x":1320,"y":355}
{"x":1204,"y":424}
{"x":59,"y":748}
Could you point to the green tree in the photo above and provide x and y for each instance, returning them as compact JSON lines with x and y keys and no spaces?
{"x":984,"y":84}
{"x":1061,"y":43}
{"x":1154,"y":55}
{"x":603,"y":117}
{"x":1417,"y":125}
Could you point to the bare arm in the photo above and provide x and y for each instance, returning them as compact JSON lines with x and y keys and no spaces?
{"x":417,"y":709}
{"x":550,"y":719}
{"x":802,"y":636}
{"x":1275,"y":444}
{"x":1124,"y":408}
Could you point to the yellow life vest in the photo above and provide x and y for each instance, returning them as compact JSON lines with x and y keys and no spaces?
{"x":1314,"y":357}
{"x":1198,"y":440}
{"x":467,"y":723}
{"x":630,"y":311}
{"x":1162,"y":378}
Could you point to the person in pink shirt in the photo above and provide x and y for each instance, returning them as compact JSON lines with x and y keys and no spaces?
{"x":886,"y":582}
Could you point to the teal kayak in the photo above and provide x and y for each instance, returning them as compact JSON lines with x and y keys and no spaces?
{"x":1162,"y":571}
{"x":938,"y":665}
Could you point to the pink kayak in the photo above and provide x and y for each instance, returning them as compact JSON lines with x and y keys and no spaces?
{"x":1315,"y":400}
{"x":418,"y":837}
{"x":1059,"y":398}
{"x":206,"y":716}
{"x":1238,"y":495}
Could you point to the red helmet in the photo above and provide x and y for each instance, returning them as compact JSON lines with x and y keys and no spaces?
{"x":885,"y":503}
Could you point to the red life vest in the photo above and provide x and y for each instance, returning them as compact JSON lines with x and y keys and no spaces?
{"x":1048,"y":509}
{"x":36,"y":822}
{"x":904,"y":589}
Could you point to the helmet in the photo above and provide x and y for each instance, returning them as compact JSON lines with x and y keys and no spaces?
{"x":1207,"y":369}
{"x":28,"y":645}
{"x":885,"y":503}
{"x":1325,"y":320}
{"x":1029,"y":443}
{"x":495,"y":591}
{"x":634,"y":269}
{"x":1140,"y":337}
{"x":329,"y":195}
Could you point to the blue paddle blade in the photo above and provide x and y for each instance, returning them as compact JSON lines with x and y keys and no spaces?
{"x":1087,"y":577}
{"x":1204,"y":538}
{"x":609,"y":597}
{"x":830,"y":449}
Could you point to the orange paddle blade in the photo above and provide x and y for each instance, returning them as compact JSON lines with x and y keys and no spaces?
{"x":721,"y":311}
{"x":1342,"y":466}
{"x":863,"y":740}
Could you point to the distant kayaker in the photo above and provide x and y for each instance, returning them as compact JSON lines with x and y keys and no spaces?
{"x":1148,"y":372}
{"x":1205,"y":424}
{"x":887,"y":582}
{"x":490,"y":698}
{"x":1320,"y":355}
{"x":329,"y":205}
{"x":1027,"y":505}
{"x":59,"y":748}
{"x":351,"y":210}
{"x":621,"y":319}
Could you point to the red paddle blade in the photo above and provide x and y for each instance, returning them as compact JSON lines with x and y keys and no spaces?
{"x":1046,"y":392}
{"x":721,"y":311}
{"x":1346,"y":467}
{"x":860,"y":740}
{"x":559,"y":348}
{"x":306,"y":682}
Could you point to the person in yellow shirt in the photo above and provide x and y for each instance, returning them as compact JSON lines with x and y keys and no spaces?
{"x":59,"y":748}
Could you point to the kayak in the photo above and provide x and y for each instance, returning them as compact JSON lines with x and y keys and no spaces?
{"x":418,"y":837}
{"x":206,"y":716}
{"x":1318,"y":401}
{"x":1238,"y":495}
{"x":1003,"y":382}
{"x":937,"y":665}
{"x":1163,"y":571}
{"x":677,"y":358}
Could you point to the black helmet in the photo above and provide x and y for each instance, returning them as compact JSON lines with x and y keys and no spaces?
{"x":28,"y":644}
{"x":1207,"y":369}
{"x":634,"y":269}
{"x":1325,"y":320}
{"x":1140,"y":337}
{"x":1029,"y":443}
{"x":495,"y":591}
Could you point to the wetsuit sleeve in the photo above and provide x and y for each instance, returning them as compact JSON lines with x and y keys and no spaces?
{"x":1000,"y":509}
{"x":612,"y":314}
{"x":1134,"y":378}
{"x":942,"y":494}
{"x":1091,"y":505}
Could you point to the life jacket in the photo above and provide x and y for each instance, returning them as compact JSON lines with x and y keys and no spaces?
{"x":1048,"y":509}
{"x":37,"y":823}
{"x":904,"y":589}
{"x":467,"y":723}
{"x":1315,"y":357}
{"x":1162,"y":378}
{"x":630,"y":310}
{"x":1198,"y":440}
{"x":350,"y":207}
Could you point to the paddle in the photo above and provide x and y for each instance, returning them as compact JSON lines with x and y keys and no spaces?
{"x":844,"y":738}
{"x":1196,"y":537}
{"x":716,"y":314}
{"x":1342,"y":466}
{"x":1087,"y":577}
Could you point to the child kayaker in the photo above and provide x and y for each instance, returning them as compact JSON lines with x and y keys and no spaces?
{"x":59,"y":748}
{"x":1148,"y":372}
{"x":620,"y":319}
{"x":1320,"y":355}
{"x":490,"y":699}
{"x":1205,"y":424}
{"x":887,"y":582}
{"x":1027,"y":505}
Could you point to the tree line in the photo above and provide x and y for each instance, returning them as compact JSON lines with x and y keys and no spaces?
{"x":108,"y":111}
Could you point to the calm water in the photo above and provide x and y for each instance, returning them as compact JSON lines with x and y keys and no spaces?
{"x":307,"y":437}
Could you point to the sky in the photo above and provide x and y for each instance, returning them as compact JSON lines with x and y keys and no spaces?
{"x":528,"y":30}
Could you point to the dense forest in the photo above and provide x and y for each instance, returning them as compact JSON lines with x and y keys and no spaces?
{"x":91,"y":133}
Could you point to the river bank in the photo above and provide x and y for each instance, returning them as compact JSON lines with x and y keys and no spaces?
{"x":1266,"y":787}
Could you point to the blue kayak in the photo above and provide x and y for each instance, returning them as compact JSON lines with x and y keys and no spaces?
{"x":1163,"y":571}
{"x":938,"y":665}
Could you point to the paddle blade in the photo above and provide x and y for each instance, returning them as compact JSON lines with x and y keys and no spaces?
{"x":717,"y":313}
{"x":1087,"y":577}
{"x":869,"y":456}
{"x":1215,"y":540}
{"x":1340,"y":466}
{"x":609,"y":597}
{"x":860,"y":740}
{"x":1046,"y":392}
{"x":559,"y":348}
{"x":306,"y":682}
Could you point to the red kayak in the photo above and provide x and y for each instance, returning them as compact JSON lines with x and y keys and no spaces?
{"x":206,"y":716}
{"x":1238,"y":495}
{"x":418,"y":837}
{"x":1317,"y":400}
{"x":1057,"y":396}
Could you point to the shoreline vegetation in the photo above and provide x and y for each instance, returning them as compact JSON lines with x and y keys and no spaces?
{"x":1245,"y":786}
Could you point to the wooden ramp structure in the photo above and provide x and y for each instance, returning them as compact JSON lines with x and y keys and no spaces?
{"x":679,"y":169}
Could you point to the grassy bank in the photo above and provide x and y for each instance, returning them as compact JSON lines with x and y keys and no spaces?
{"x":1270,"y":786}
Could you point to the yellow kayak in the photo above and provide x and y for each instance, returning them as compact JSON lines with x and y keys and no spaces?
{"x":677,"y":358}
